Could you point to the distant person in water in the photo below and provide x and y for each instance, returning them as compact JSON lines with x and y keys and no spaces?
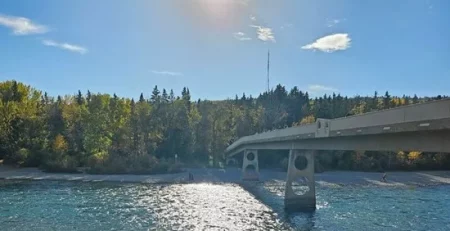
{"x":384,"y":177}
{"x":191,"y":177}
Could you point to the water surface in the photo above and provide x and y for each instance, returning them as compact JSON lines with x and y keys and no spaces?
{"x":64,"y":205}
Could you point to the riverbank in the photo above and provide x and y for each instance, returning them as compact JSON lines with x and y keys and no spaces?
{"x":233,"y":175}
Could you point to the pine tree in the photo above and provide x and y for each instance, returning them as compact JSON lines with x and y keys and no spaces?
{"x":171,"y":96}
{"x":88,"y":97}
{"x":374,"y":104}
{"x":115,"y":134}
{"x":386,"y":100}
{"x":80,"y":99}
{"x":243,"y":97}
{"x":185,"y":94}
{"x":155,"y":98}
{"x":415,"y":99}
{"x":165,"y":97}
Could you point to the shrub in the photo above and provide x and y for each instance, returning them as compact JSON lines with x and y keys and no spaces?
{"x":113,"y":163}
{"x":21,"y":156}
{"x":97,"y":159}
{"x":175,"y":168}
{"x":160,"y":168}
{"x":17,"y":157}
{"x":35,"y":158}
{"x":64,"y":164}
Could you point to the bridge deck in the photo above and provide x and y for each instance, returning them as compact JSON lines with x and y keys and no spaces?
{"x":402,"y":128}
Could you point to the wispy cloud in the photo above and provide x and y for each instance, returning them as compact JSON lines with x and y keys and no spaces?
{"x":264,"y":33}
{"x":241,"y":36}
{"x":65,"y":46}
{"x":334,"y":22}
{"x":316,"y":88}
{"x":171,"y":73}
{"x":330,"y":43}
{"x":253,"y":18}
{"x":21,"y":25}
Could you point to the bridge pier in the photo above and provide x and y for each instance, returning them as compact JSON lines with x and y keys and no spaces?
{"x":301,"y":165}
{"x":250,"y":162}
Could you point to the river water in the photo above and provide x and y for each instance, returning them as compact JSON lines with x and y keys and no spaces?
{"x":65,"y":205}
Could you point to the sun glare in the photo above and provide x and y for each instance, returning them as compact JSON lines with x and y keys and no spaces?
{"x":218,"y":9}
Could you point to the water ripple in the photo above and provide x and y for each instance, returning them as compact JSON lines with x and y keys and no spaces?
{"x":53,"y":205}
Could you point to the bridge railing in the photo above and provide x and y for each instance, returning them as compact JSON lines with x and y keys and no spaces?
{"x":378,"y":121}
{"x":286,"y":132}
{"x":432,"y":110}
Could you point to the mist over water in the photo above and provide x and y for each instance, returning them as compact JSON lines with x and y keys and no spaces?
{"x":63,"y":205}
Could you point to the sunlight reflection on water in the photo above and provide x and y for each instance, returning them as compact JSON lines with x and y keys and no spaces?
{"x":208,"y":207}
{"x":53,"y":205}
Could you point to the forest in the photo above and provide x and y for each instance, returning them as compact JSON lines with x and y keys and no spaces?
{"x":106,"y":133}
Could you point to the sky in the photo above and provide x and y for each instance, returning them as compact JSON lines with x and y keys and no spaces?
{"x":218,"y":48}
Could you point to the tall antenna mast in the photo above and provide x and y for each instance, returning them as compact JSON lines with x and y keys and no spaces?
{"x":268,"y":69}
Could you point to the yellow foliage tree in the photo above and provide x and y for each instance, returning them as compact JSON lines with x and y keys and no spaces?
{"x":308,"y":120}
{"x":401,"y":155}
{"x":414,"y":155}
{"x":60,"y":144}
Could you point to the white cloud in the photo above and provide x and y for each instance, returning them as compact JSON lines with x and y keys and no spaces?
{"x":264,"y":33}
{"x":330,"y":43}
{"x":316,"y":88}
{"x":171,"y":73}
{"x":253,"y":18}
{"x":241,"y":36}
{"x":65,"y":46}
{"x":21,"y":25}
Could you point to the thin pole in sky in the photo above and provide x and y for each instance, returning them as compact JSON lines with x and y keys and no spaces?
{"x":268,"y":69}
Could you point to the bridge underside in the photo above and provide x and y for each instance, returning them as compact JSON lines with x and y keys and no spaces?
{"x":425,"y":141}
{"x":422,"y":127}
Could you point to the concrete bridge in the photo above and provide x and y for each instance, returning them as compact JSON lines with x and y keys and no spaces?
{"x":419,"y":127}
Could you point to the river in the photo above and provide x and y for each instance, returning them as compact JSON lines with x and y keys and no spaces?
{"x":70,"y":205}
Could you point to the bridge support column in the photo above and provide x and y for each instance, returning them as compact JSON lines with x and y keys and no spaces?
{"x":250,"y":168}
{"x":301,"y":166}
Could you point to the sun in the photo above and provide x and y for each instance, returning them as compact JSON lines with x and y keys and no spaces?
{"x":218,"y":9}
{"x":213,"y":14}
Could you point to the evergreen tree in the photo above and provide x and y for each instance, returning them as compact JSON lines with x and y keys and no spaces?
{"x":110,"y":134}
{"x":386,"y":100}
{"x":80,"y":99}
{"x":165,"y":96}
{"x":155,"y":98}
{"x":415,"y":99}
{"x":171,"y":96}
{"x":88,"y":97}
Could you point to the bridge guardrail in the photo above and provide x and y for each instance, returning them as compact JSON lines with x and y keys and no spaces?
{"x":433,"y":110}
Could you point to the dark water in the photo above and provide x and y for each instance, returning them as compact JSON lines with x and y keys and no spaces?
{"x":60,"y":205}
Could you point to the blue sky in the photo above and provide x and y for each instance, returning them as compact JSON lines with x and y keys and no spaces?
{"x":218,"y":48}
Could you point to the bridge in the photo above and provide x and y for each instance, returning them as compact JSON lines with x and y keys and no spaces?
{"x":420,"y":127}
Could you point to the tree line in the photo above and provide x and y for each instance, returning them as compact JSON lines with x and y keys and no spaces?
{"x":112,"y":134}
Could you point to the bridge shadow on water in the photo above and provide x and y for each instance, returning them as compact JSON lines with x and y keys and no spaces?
{"x":272,"y":195}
